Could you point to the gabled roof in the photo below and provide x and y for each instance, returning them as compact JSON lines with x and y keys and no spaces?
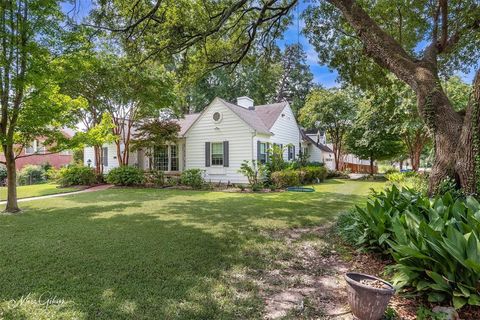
{"x":260,"y":118}
{"x":319,"y":145}
{"x":249,"y":116}
{"x":269,"y":113}
{"x":186,"y":122}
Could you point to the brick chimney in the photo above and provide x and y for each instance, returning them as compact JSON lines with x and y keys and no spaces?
{"x":245,"y":102}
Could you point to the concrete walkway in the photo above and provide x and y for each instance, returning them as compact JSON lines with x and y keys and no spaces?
{"x":91,"y":189}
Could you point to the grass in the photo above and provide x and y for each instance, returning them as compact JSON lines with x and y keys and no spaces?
{"x":152,"y":254}
{"x":35,"y":190}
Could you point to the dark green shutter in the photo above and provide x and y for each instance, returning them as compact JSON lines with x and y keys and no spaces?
{"x":293,"y":155}
{"x":225,"y":154}
{"x":207,"y":154}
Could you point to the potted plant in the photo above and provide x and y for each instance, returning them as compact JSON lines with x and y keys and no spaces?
{"x":368,"y":296}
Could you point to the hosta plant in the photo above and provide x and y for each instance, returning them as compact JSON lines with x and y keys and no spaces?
{"x":434,"y":242}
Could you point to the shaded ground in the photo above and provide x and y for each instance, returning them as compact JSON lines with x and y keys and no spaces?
{"x":157,"y":254}
{"x":309,"y":283}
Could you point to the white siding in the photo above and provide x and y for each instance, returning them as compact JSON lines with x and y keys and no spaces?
{"x":231,"y":128}
{"x":88,"y":154}
{"x":317,"y":155}
{"x":285,"y":131}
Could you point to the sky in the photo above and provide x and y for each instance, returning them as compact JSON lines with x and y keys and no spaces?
{"x":322,"y":74}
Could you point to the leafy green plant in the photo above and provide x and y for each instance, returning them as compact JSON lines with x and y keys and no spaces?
{"x":448,"y":185}
{"x":192,"y":178}
{"x":434,"y":242}
{"x":31,"y":174}
{"x":414,"y":180}
{"x":3,"y":174}
{"x":275,"y":159}
{"x":287,"y":178}
{"x":254,"y":171}
{"x":52,"y":174}
{"x":332,"y":174}
{"x":155,"y":177}
{"x":76,"y":175}
{"x":125,"y":176}
{"x":314,"y":174}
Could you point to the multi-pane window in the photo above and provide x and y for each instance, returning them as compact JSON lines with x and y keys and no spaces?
{"x":30,"y":148}
{"x":173,"y":158}
{"x":291,"y":152}
{"x":217,"y":153}
{"x":263,"y":153}
{"x":160,"y":158}
{"x":35,"y":147}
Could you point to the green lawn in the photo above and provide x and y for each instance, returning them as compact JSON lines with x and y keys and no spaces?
{"x":152,"y":254}
{"x":35,"y":190}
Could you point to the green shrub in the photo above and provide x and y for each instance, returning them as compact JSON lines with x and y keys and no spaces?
{"x":155,"y":177}
{"x":334,"y":174}
{"x":76,"y":175}
{"x":3,"y":174}
{"x":31,"y":174}
{"x":254,"y":171}
{"x":286,"y":178}
{"x":125,"y":176}
{"x":46,"y":166}
{"x":435,"y":243}
{"x":192,"y":178}
{"x":448,"y":185}
{"x":413,"y":180}
{"x":52,"y":174}
{"x":314,"y":174}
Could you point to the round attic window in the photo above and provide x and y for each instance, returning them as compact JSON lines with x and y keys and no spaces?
{"x":217,"y":116}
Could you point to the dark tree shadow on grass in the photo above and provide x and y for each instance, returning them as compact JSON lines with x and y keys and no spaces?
{"x":150,"y":254}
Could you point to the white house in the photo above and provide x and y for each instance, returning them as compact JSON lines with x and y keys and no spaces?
{"x":221,"y":137}
{"x":314,"y":144}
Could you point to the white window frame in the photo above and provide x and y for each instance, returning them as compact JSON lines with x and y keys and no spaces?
{"x":211,"y":154}
{"x":263,"y":155}
{"x":34,"y":147}
{"x":290,"y":151}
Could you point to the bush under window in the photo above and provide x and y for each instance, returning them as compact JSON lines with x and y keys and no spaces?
{"x":192,"y":178}
{"x":125,"y":176}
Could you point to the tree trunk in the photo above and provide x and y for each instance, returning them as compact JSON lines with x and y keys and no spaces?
{"x":371,"y":166}
{"x":415,"y":157}
{"x":467,"y":166}
{"x":12,"y":204}
{"x":453,"y":134}
{"x":454,"y":143}
{"x":98,"y":159}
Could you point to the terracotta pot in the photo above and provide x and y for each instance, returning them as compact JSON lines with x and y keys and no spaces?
{"x":367,"y":303}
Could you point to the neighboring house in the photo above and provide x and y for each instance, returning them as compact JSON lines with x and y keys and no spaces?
{"x":218,"y":140}
{"x":321,"y":151}
{"x":37,"y":154}
{"x":314,"y":145}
